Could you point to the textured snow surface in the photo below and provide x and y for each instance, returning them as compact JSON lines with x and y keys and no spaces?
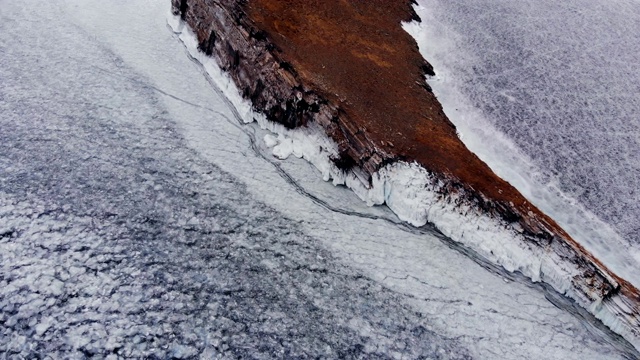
{"x":140,"y":218}
{"x":547,"y":93}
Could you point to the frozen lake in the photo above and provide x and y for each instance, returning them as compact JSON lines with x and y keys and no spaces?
{"x":548,"y":94}
{"x":139,"y":218}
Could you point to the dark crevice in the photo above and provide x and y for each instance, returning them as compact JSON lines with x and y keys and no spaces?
{"x":183,"y":9}
{"x":208,"y":45}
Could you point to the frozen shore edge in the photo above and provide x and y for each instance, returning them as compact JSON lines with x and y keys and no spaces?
{"x":417,"y":197}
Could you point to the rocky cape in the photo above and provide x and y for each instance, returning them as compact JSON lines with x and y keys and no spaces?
{"x":350,"y":68}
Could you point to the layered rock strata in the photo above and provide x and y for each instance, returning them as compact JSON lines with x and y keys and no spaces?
{"x":350,"y":68}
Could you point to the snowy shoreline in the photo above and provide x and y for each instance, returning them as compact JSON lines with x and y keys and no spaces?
{"x":418,"y":197}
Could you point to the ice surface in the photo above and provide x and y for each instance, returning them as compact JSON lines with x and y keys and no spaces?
{"x":414,"y":196}
{"x":547,"y":94}
{"x":138,"y":217}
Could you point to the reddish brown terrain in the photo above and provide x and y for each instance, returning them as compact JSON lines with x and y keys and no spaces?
{"x":356,"y":54}
{"x":361,"y":77}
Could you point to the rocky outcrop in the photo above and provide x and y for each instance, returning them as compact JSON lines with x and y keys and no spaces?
{"x":351,"y":69}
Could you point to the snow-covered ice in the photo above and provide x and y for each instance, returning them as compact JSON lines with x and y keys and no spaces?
{"x":139,"y":216}
{"x":414,"y":195}
{"x":546,"y":93}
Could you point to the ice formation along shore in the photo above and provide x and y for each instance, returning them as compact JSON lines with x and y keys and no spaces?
{"x":418,"y":197}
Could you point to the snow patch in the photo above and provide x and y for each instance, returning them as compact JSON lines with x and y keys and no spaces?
{"x":270,"y":140}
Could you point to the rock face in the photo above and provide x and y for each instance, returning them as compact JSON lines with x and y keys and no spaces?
{"x":350,"y":68}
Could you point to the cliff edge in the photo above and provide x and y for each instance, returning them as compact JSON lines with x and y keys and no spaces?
{"x":351,"y":69}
